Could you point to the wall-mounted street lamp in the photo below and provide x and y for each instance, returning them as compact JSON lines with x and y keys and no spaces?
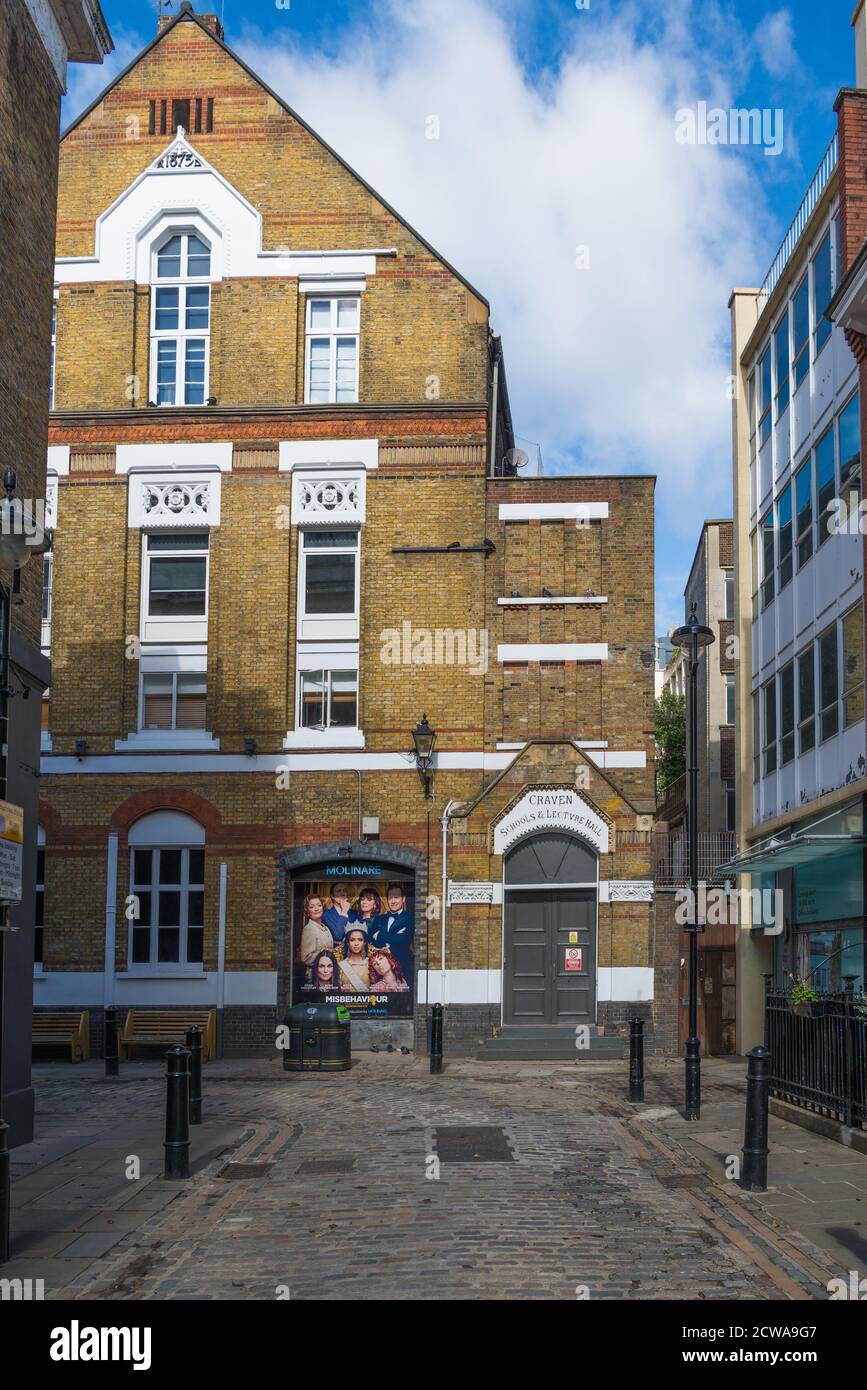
{"x":692,"y":638}
{"x":250,"y":745}
{"x":81,"y":749}
{"x":424,"y":738}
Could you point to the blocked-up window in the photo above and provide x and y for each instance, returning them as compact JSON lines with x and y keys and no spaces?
{"x":853,"y":666}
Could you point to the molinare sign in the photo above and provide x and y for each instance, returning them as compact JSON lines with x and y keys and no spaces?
{"x":550,"y":808}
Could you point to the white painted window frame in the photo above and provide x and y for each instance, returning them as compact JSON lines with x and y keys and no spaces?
{"x":332,"y":334}
{"x":200,"y":620}
{"x":181,"y":334}
{"x":155,"y":967}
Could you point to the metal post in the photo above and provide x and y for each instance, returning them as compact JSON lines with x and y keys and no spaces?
{"x":755,"y":1167}
{"x":194,"y":1045}
{"x":636,"y":1059}
{"x":5,"y":1174}
{"x":177,"y":1143}
{"x":111,"y":1067}
{"x":436,"y":1039}
{"x":692,"y":1066}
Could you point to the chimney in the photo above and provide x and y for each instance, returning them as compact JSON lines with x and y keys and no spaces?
{"x":859,"y":24}
{"x":210,"y":21}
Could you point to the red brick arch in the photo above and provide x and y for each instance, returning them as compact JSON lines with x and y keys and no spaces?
{"x":166,"y":799}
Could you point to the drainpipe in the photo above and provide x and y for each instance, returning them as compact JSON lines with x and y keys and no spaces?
{"x":221,"y":958}
{"x":110,"y":924}
{"x":444,"y":822}
{"x":495,"y":391}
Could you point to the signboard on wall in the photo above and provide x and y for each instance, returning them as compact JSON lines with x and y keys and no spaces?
{"x":11,"y":852}
{"x":551,"y":808}
{"x":353,"y":939}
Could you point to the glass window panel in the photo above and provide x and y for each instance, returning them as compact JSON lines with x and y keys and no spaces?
{"x":344,"y":699}
{"x":853,"y":666}
{"x":166,"y":307}
{"x":198,"y":306}
{"x":320,"y":369}
{"x":828,"y":682}
{"x":196,"y":908}
{"x":177,"y":587}
{"x":167,"y":368}
{"x":770,"y":728}
{"x":730,"y":699}
{"x":767,"y":558}
{"x":330,"y":540}
{"x":825,"y":483}
{"x":190,"y":703}
{"x":757,"y":742}
{"x":195,"y":946}
{"x":347,"y":314}
{"x":765,"y":394}
{"x":804,"y":508}
{"x":320,"y":315}
{"x":197,"y":866}
{"x":850,"y":447}
{"x":329,"y":584}
{"x":170,"y":870}
{"x":144,"y":908}
{"x":141,"y":946}
{"x":180,"y":540}
{"x":169,"y":908}
{"x":157,"y":696}
{"x":168,"y":945}
{"x":807,"y":700}
{"x":194,"y":383}
{"x":198,"y":257}
{"x":822,"y":292}
{"x":781,"y":348}
{"x":313,"y":699}
{"x":801,"y":331}
{"x":169,"y":259}
{"x":784,"y":521}
{"x":787,"y":714}
{"x":347,"y":356}
{"x":142,"y":862}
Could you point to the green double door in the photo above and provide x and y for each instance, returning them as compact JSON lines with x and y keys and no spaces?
{"x":549,"y":970}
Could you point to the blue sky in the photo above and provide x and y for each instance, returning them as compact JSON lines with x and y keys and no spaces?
{"x":607,"y":248}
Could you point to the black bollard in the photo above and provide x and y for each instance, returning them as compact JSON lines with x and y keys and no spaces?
{"x":194,"y":1046}
{"x":111,"y":1042}
{"x":177,"y":1145}
{"x":636,"y":1059}
{"x":436,"y":1039}
{"x":755,"y":1170}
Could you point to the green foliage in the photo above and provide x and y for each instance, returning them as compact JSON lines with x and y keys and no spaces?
{"x":802,"y":993}
{"x":670,"y":728}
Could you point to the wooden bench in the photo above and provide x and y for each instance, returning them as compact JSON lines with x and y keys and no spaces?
{"x":164,"y":1027}
{"x":54,"y":1029}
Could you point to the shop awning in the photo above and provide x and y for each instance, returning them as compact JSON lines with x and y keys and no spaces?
{"x":777,"y":853}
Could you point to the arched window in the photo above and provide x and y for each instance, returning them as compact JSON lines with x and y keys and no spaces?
{"x":167,"y":891}
{"x":180,"y":320}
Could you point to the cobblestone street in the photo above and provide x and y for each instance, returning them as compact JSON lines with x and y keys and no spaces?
{"x":586,"y":1197}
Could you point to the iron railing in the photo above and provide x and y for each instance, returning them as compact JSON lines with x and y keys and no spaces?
{"x":671,"y":856}
{"x":673,"y":800}
{"x":799,"y":221}
{"x":819,"y":1061}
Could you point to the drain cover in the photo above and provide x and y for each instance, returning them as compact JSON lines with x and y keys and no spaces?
{"x":245,"y":1170}
{"x":324,"y":1166}
{"x":472,"y":1144}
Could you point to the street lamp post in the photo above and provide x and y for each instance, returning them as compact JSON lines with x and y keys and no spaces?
{"x":692,"y":638}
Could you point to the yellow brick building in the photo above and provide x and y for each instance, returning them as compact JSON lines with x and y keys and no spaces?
{"x":291,"y":523}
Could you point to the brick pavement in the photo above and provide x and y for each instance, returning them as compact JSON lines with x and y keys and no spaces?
{"x":594,"y":1198}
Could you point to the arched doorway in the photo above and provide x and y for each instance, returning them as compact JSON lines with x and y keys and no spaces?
{"x":550,"y":893}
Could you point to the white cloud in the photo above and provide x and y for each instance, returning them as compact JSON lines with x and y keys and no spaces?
{"x":774,"y":39}
{"x":619,"y":367}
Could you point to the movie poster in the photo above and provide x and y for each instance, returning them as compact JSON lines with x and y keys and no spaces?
{"x":353,"y":940}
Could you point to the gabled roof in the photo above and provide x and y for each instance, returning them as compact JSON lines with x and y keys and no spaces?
{"x":190,"y":16}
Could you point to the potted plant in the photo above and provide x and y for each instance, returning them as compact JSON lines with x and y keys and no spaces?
{"x":803,"y":999}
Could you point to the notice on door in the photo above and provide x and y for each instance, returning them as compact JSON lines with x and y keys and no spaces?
{"x":11,"y":851}
{"x":573,"y":957}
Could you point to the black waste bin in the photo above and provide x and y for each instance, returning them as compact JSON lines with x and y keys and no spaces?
{"x":319,"y":1037}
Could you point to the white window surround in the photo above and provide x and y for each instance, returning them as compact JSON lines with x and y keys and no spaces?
{"x":177,"y":664}
{"x":173,"y":628}
{"x":168,"y":458}
{"x":127,"y":230}
{"x":162,"y":740}
{"x":58,"y":459}
{"x":331,"y":285}
{"x":552,"y":651}
{"x":325,"y":627}
{"x":315,"y":656}
{"x":553,"y":511}
{"x":185,"y":499}
{"x":332,"y":497}
{"x":342,"y":365}
{"x":328,"y":453}
{"x":157,"y":831}
{"x":188,"y":288}
{"x":166,"y":829}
